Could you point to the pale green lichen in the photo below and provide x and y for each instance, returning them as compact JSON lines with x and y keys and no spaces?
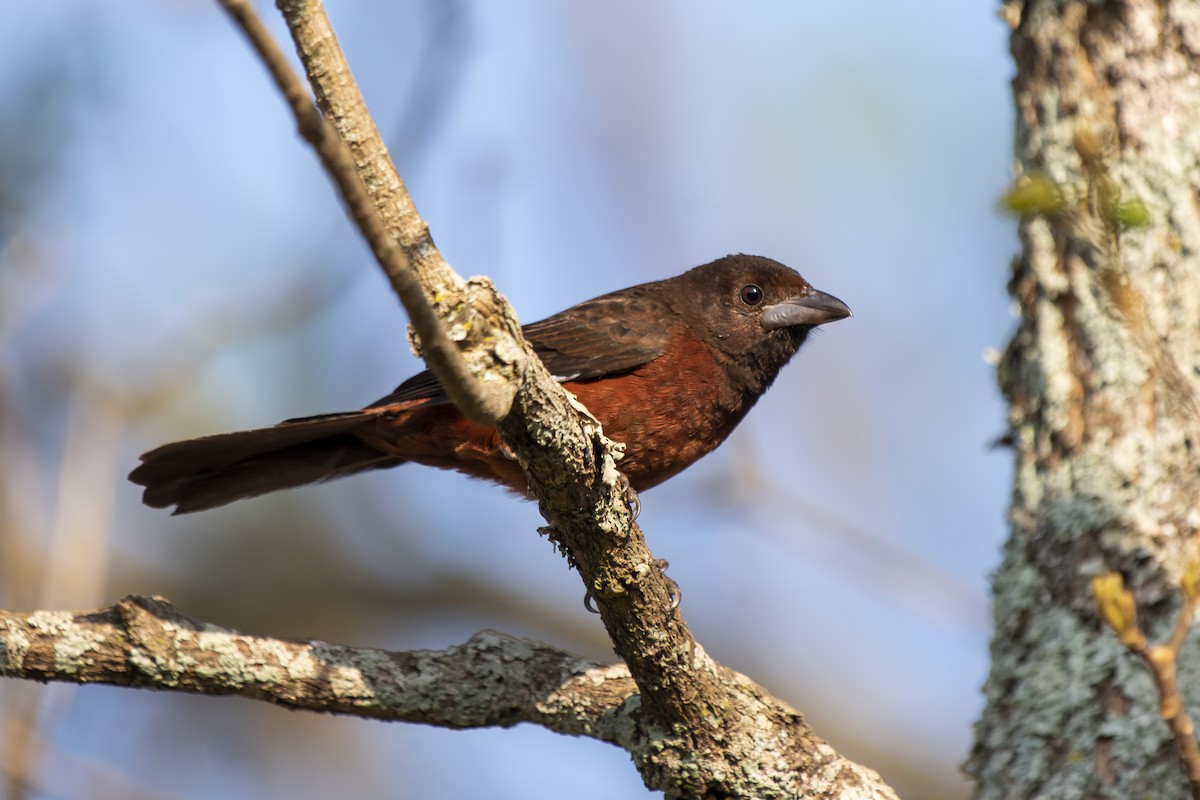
{"x":300,"y":666}
{"x":72,"y":645}
{"x":71,"y":641}
{"x":238,"y":660}
{"x":53,"y":622}
{"x":347,"y":682}
{"x":146,"y":664}
{"x":507,"y":351}
{"x":14,"y":645}
{"x":599,"y":675}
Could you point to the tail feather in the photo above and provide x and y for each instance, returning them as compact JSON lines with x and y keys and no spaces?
{"x":215,"y":470}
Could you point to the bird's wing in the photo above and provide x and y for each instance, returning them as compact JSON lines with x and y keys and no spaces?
{"x":608,"y":335}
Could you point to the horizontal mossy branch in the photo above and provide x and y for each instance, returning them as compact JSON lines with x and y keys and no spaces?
{"x":491,"y":680}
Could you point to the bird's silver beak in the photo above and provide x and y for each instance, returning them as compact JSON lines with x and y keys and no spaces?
{"x":815,"y":308}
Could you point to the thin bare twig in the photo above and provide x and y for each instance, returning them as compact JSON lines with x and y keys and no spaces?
{"x":1119,"y":611}
{"x":482,"y":401}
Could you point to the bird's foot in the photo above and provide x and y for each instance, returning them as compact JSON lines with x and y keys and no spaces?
{"x":589,"y":602}
{"x":661,"y":564}
{"x":631,"y":497}
{"x":676,"y":593}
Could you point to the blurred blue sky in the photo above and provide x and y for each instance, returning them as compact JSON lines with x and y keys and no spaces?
{"x":189,"y":253}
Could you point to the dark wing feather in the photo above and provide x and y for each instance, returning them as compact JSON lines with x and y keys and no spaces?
{"x":612,"y":334}
{"x":608,"y":335}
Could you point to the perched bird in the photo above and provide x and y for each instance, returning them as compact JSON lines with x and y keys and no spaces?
{"x":669,"y":368}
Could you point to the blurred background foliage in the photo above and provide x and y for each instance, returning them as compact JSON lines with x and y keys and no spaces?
{"x":173,"y":263}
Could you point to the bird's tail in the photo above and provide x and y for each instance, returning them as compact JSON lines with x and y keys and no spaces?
{"x":214,"y":470}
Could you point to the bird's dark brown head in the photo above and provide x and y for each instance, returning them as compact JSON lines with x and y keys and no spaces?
{"x":754,"y":312}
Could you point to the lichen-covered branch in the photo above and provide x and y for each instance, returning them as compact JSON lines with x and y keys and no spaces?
{"x":490,"y":680}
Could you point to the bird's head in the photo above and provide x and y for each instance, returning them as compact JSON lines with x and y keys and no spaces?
{"x":755,"y":312}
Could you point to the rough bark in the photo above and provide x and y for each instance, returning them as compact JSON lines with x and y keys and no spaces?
{"x":490,"y":680}
{"x":1101,"y":377}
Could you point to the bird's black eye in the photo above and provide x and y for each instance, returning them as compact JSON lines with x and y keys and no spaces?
{"x":751,"y":294}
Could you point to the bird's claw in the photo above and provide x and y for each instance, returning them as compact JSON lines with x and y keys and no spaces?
{"x":661,"y":565}
{"x":631,"y":497}
{"x":589,"y":602}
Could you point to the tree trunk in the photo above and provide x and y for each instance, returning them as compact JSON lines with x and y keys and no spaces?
{"x":1101,"y":379}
